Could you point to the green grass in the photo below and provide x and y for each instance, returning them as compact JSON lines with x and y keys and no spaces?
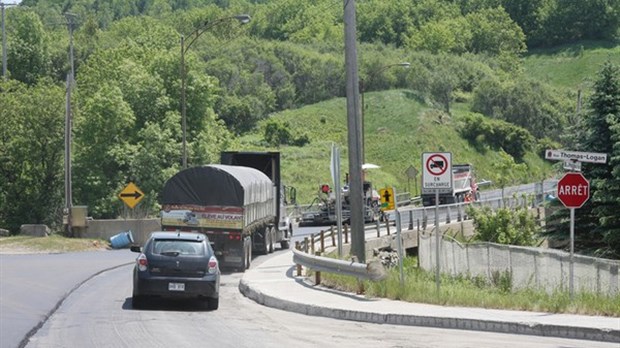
{"x":571,"y":66}
{"x":420,"y":287}
{"x":398,"y":128}
{"x":52,"y":244}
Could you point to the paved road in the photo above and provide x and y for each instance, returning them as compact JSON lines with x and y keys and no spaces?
{"x":99,"y":314}
{"x":32,"y":285}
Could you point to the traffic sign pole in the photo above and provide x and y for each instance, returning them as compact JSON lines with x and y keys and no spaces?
{"x":400,"y":241}
{"x":437,"y":240}
{"x":571,"y":268}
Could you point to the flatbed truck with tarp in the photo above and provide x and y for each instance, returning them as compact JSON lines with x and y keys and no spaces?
{"x":238,"y":205}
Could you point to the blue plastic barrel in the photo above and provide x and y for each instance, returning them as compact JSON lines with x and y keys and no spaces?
{"x":121,"y":240}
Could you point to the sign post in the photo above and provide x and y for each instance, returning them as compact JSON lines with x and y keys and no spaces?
{"x":573,"y":192}
{"x":437,"y":175}
{"x":335,"y":170}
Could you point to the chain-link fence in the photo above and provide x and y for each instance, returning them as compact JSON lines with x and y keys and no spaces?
{"x":527,"y":267}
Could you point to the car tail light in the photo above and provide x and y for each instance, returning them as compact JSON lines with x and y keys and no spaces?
{"x":234,"y":236}
{"x":212,"y":265}
{"x":142,"y":262}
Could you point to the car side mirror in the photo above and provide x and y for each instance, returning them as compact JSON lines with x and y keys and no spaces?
{"x":135,"y":248}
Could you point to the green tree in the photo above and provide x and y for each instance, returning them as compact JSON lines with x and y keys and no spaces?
{"x":526,"y":103}
{"x":28,"y":46}
{"x":31,"y":152}
{"x":505,"y":226}
{"x":104,"y":150}
{"x":599,"y":222}
{"x":507,"y":172}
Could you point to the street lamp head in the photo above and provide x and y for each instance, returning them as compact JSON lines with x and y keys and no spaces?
{"x":404,"y":64}
{"x":243,"y":18}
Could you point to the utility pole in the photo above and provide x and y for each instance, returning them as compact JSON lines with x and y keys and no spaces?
{"x":70,"y":17}
{"x":2,"y":6}
{"x":68,"y":126}
{"x":71,"y":25}
{"x":358,"y":247}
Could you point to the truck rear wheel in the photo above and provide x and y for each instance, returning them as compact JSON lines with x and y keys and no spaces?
{"x":272,"y":240}
{"x":248,"y":255}
{"x":264,"y":243}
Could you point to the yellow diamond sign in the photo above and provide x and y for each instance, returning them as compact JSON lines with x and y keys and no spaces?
{"x":387,"y":198}
{"x":131,"y":195}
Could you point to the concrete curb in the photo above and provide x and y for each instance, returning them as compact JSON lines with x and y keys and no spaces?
{"x":523,"y":328}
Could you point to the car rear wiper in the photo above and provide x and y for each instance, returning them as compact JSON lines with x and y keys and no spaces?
{"x":170,"y":253}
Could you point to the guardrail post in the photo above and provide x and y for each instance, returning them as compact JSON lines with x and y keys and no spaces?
{"x":317,"y":274}
{"x":411,"y":220}
{"x":346,"y":234}
{"x":312,"y":243}
{"x":387,"y":226}
{"x":306,"y":245}
{"x":322,"y":241}
{"x":378,"y":225}
{"x":331,"y":229}
{"x":298,"y":247}
{"x":458,"y":212}
{"x":424,"y":219}
{"x":448,"y":216}
{"x":418,"y":226}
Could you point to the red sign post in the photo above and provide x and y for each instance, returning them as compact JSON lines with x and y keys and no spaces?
{"x":573,"y":190}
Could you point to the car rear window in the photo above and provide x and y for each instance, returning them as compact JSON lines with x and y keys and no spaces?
{"x":173,"y":247}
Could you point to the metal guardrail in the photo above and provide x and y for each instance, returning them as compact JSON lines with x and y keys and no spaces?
{"x":372,"y":270}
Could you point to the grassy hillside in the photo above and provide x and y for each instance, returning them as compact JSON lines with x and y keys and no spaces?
{"x":399,"y":127}
{"x":571,"y":66}
{"x":398,"y":130}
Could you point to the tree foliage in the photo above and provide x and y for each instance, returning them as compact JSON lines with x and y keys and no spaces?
{"x":600,"y":221}
{"x":505,"y":226}
{"x":497,"y":134}
{"x":32,"y":153}
{"x":126,"y":96}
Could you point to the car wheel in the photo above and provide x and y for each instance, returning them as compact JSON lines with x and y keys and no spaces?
{"x":213,"y":303}
{"x":137,"y":302}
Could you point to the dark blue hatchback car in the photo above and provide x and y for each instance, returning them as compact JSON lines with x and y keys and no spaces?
{"x":176,"y":265}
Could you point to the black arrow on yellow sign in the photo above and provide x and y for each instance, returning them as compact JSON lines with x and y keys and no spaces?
{"x":135,"y":195}
{"x":131,"y":195}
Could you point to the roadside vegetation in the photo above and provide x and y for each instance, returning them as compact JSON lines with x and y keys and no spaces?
{"x":486,"y":78}
{"x":420,"y":286}
{"x":54,"y":243}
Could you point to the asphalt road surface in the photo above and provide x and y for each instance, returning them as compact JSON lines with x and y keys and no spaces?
{"x":99,"y":314}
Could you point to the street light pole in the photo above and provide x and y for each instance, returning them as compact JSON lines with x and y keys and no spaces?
{"x":243,"y":19}
{"x":363,"y":89}
{"x":2,"y":6}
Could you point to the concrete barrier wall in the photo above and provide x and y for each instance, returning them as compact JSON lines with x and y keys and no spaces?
{"x":529,"y":267}
{"x":104,"y":229}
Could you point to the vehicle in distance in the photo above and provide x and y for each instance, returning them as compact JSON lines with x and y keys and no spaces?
{"x":464,"y":188}
{"x":176,"y":265}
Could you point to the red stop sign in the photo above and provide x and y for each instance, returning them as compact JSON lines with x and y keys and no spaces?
{"x":573,"y":190}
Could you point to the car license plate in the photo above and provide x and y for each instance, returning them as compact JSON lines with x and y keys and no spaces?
{"x":176,"y":286}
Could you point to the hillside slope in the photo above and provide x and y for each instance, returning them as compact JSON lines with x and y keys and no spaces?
{"x":398,"y":128}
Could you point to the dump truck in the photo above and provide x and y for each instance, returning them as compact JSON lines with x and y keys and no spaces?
{"x":464,"y":188}
{"x":239,"y":205}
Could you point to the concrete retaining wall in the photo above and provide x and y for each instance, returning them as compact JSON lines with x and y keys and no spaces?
{"x":104,"y":229}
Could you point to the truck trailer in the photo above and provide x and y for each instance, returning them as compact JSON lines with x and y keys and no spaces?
{"x":464,"y":188}
{"x":238,"y":205}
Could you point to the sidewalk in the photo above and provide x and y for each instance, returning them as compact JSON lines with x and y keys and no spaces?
{"x":274,"y":284}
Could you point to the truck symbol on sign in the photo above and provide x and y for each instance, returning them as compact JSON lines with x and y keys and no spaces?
{"x":437,"y":164}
